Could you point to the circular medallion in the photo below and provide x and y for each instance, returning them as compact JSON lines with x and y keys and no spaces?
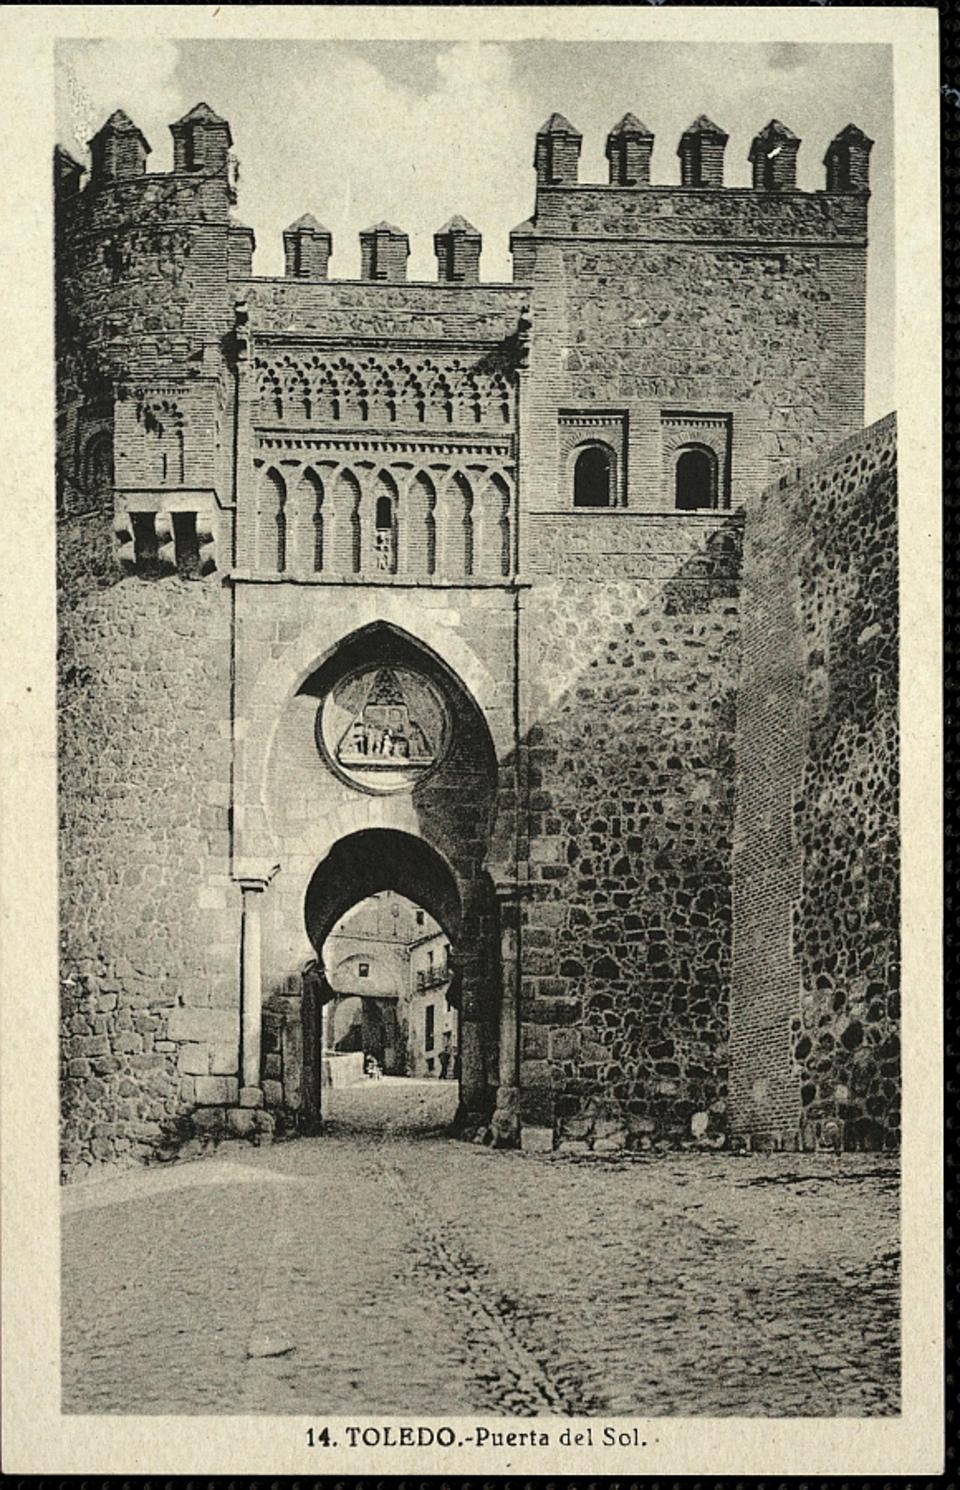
{"x":383,"y":728}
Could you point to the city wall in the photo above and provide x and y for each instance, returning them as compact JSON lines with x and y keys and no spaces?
{"x":816,"y":955}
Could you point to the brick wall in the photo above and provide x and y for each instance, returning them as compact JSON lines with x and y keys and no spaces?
{"x":815,"y":993}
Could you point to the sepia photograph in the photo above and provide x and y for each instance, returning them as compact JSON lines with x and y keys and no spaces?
{"x":478,"y":733}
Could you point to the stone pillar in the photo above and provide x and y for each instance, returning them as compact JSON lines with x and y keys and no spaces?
{"x":473,"y":1086}
{"x":506,"y":1117}
{"x":251,"y":997}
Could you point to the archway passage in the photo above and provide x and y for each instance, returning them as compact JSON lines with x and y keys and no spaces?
{"x":376,"y":859}
{"x":381,"y":1019}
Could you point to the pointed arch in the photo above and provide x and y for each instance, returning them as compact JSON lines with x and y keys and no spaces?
{"x":344,"y":542}
{"x":384,"y":524}
{"x":272,"y":523}
{"x":492,"y":540}
{"x":457,"y":527}
{"x":308,"y":543}
{"x":418,"y":553}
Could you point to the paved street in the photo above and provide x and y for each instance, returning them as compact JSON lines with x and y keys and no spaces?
{"x":385,"y":1269}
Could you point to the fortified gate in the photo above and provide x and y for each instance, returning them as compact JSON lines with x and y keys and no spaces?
{"x":438,"y":588}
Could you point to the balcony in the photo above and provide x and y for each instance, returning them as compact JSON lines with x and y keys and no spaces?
{"x":432,"y":977}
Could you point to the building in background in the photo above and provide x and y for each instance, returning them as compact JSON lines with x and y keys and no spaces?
{"x":387,"y":962}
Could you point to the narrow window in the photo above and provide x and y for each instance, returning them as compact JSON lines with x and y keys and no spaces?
{"x":696,"y":480}
{"x":428,"y":1030}
{"x":186,"y":544}
{"x":385,"y":536}
{"x":282,"y":534}
{"x":363,"y":969}
{"x":420,"y":918}
{"x":145,"y":548}
{"x":592,"y":478}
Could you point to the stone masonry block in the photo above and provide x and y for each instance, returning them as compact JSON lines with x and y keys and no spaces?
{"x":215,"y":1026}
{"x":533,"y":1041}
{"x":193,"y":1060}
{"x":564,"y":1044}
{"x":242,"y":1121}
{"x":534,"y":1074}
{"x":536,"y":1140}
{"x":214,"y":1091}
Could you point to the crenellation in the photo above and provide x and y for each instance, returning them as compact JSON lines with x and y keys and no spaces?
{"x":701,"y":150}
{"x":773,"y":155}
{"x":628,"y":150}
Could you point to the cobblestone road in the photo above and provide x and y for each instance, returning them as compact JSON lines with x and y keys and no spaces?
{"x":385,"y":1269}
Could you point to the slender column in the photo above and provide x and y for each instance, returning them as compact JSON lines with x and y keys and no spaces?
{"x":244,"y":495}
{"x":251,"y":994}
{"x":506,"y":1118}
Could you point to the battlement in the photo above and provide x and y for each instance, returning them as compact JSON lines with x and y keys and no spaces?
{"x":201,"y":188}
{"x":629,"y":149}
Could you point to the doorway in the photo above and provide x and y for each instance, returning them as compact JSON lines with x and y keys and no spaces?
{"x":382,"y":1000}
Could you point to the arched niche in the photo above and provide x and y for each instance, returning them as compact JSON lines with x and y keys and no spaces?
{"x":594,"y":475}
{"x":695,"y":478}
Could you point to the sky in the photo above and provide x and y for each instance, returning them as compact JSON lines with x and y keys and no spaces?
{"x":417,"y":131}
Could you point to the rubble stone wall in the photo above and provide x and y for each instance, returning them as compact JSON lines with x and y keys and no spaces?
{"x":815,"y":994}
{"x":629,"y":783}
{"x":149,"y":916}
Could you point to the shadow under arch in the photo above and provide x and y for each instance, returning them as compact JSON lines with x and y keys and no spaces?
{"x":373,"y":860}
{"x":384,"y":642}
{"x":472,"y":758}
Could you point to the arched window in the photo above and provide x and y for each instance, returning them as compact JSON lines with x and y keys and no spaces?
{"x":696,"y":479}
{"x":593,"y":477}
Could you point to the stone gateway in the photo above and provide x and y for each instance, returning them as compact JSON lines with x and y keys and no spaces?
{"x":565,"y":608}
